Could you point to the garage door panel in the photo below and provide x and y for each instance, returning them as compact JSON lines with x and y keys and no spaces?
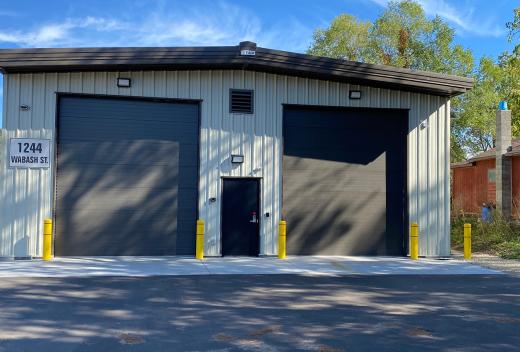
{"x":369,"y":199}
{"x":127,"y":153}
{"x":308,"y":118}
{"x":116,"y":113}
{"x":127,"y":177}
{"x":332,"y":135}
{"x":146,"y":130}
{"x":124,"y":198}
{"x":369,"y":165}
{"x":135,"y":108}
{"x":335,"y":175}
{"x":117,"y":198}
{"x":129,"y":116}
{"x":182,"y":212}
{"x":365,"y":158}
{"x":360,"y":206}
{"x":119,"y":226}
{"x":102,"y":178}
{"x":125,"y":242}
{"x":325,"y":150}
{"x":115,"y":131}
{"x":134,"y":117}
{"x":359,"y":237}
{"x":96,"y":185}
{"x":344,"y":176}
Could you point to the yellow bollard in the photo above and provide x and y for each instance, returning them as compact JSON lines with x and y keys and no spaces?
{"x":467,"y":241}
{"x":282,"y":237}
{"x":199,"y":250}
{"x":414,"y":241}
{"x":47,"y":239}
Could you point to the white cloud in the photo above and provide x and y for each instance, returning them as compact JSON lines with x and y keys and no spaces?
{"x":59,"y":34}
{"x":222,"y":24}
{"x":462,"y":16}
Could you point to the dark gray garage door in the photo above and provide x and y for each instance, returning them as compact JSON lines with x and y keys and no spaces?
{"x":344,"y":181}
{"x":127,"y":177}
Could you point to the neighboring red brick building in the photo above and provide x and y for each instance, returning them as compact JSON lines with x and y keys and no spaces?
{"x":473,"y":181}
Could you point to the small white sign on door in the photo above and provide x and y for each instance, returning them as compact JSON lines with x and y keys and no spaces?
{"x":29,"y":153}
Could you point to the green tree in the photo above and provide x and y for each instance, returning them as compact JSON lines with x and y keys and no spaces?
{"x":514,"y":25}
{"x":513,"y":61}
{"x":346,"y":38}
{"x":401,"y":36}
{"x":474,"y":125}
{"x":474,"y":131}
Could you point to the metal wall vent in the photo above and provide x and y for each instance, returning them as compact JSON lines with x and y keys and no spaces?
{"x":241,"y":101}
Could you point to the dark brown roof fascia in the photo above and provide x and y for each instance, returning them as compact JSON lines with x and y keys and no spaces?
{"x":228,"y":57}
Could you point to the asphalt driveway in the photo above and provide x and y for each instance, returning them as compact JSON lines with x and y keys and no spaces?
{"x":261,"y":313}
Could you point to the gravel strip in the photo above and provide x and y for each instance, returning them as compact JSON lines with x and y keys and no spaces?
{"x":510,"y":266}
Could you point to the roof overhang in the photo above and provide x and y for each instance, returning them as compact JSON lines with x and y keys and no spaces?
{"x":244,"y":56}
{"x":482,"y":158}
{"x":513,"y":153}
{"x":461,"y":164}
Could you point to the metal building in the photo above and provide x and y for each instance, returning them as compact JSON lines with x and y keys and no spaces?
{"x":143,"y":141}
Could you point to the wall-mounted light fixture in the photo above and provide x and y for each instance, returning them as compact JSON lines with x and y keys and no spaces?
{"x":25,"y":107}
{"x":423,"y":124}
{"x":354,"y":94}
{"x":237,"y":159}
{"x":124,"y":82}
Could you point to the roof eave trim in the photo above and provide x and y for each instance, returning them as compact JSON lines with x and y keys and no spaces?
{"x":229,"y":57}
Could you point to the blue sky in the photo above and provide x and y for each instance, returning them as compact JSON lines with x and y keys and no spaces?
{"x":287,"y":25}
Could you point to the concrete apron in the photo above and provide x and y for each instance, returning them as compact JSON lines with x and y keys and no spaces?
{"x":301,"y":265}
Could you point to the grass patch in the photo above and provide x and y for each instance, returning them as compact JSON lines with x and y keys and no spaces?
{"x":499,"y":237}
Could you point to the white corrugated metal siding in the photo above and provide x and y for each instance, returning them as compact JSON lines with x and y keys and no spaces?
{"x":27,"y":194}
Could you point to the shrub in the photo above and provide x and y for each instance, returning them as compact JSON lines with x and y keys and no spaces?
{"x":500,"y":236}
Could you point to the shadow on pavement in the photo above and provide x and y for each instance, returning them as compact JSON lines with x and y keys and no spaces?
{"x":260,"y":313}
